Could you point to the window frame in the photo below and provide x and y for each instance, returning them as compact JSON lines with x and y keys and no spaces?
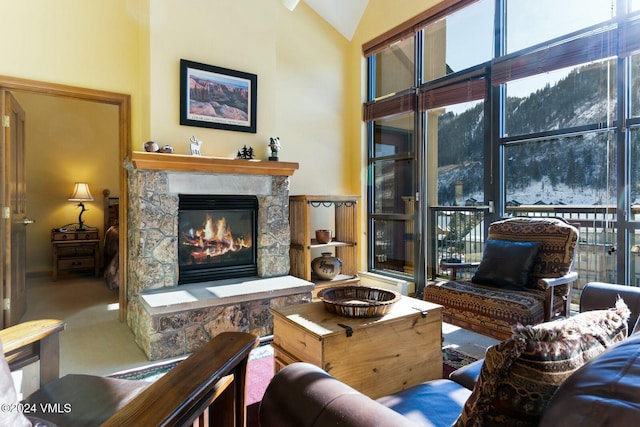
{"x":617,"y":38}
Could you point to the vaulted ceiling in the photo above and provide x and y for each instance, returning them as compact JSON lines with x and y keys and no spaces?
{"x":343,"y":15}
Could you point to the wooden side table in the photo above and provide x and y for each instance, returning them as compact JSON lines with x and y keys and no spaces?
{"x":455,"y":266}
{"x":377,"y":356}
{"x":75,"y":250}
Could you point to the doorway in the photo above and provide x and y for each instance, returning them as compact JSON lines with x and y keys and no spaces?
{"x":10,"y":85}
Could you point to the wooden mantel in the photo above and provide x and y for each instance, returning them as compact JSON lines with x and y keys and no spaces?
{"x":184,"y":163}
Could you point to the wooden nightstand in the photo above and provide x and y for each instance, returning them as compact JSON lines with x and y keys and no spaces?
{"x":75,"y":250}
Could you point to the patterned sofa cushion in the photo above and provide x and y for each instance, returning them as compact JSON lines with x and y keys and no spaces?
{"x":487,"y":309}
{"x":558,"y":243}
{"x":520,"y":375}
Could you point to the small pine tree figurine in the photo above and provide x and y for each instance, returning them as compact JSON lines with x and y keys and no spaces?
{"x":245,"y":153}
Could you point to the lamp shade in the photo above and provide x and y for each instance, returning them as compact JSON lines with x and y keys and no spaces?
{"x":81,"y":193}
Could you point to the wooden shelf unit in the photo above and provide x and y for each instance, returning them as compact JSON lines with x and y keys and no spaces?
{"x":344,"y":243}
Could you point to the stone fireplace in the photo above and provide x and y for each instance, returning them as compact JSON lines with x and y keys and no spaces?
{"x":168,"y":320}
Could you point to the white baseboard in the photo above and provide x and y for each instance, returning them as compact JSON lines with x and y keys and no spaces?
{"x":379,"y":281}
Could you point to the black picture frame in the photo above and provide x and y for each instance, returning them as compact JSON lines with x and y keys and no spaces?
{"x":218,"y":98}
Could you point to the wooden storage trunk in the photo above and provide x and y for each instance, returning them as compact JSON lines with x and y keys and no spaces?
{"x":376,"y":356}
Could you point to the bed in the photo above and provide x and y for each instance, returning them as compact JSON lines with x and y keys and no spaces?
{"x":111,"y":240}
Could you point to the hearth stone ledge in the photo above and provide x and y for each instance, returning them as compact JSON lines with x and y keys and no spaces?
{"x":177,"y":329}
{"x":227,"y":292}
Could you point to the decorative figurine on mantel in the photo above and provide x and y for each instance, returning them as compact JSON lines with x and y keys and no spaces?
{"x":245,"y":153}
{"x":195,"y":146}
{"x":152,"y":147}
{"x":274,"y":145}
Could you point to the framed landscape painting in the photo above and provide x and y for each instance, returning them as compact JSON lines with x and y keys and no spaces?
{"x":215,"y":97}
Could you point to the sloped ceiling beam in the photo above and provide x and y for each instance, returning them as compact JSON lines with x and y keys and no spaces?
{"x":343,"y":15}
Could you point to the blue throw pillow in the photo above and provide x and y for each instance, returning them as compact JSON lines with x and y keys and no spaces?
{"x":506,"y":264}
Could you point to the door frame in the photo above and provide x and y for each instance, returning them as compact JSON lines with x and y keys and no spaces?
{"x":123,"y":102}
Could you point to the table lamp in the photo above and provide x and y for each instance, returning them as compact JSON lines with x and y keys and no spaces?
{"x":81,"y":194}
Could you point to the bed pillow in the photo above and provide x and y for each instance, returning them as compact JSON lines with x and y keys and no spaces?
{"x":520,"y":375}
{"x":506,"y":264}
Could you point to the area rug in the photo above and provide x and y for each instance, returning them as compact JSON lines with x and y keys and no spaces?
{"x":259,"y":372}
{"x":148,"y":373}
{"x":260,"y":369}
{"x":453,"y":359}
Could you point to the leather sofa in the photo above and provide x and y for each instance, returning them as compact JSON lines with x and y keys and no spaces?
{"x":604,"y":391}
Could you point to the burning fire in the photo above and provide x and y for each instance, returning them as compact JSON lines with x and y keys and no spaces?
{"x":215,"y":238}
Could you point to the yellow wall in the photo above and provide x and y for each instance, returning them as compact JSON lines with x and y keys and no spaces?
{"x":300,"y":63}
{"x":311,"y":80}
{"x":91,"y":44}
{"x":67,"y":141}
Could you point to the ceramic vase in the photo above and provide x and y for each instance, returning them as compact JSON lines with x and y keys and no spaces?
{"x":323,"y":236}
{"x":326,"y":266}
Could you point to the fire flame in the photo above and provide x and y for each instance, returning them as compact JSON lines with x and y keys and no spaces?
{"x":215,"y":238}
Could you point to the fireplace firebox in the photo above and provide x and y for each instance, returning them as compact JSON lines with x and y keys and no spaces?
{"x":216,"y":237}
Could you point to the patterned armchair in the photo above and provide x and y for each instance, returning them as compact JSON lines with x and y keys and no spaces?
{"x":525,"y":277}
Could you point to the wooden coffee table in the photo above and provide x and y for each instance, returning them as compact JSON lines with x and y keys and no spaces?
{"x":376,"y":356}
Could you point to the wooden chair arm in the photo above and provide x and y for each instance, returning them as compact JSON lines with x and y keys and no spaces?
{"x":550,"y":284}
{"x":557,"y":281}
{"x":32,"y":341}
{"x":27,"y":333}
{"x":213,"y":376}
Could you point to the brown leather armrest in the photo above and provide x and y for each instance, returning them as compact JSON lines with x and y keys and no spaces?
{"x":303,"y":395}
{"x":467,"y":376}
{"x":600,"y":296}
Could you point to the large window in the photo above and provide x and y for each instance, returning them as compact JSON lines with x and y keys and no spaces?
{"x":576,"y":170}
{"x":530,"y":22}
{"x":517,"y":111}
{"x":460,"y":152}
{"x":394,"y":68}
{"x":447,"y":47}
{"x":633,"y":125}
{"x":392,"y":187}
{"x":561,"y":99}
